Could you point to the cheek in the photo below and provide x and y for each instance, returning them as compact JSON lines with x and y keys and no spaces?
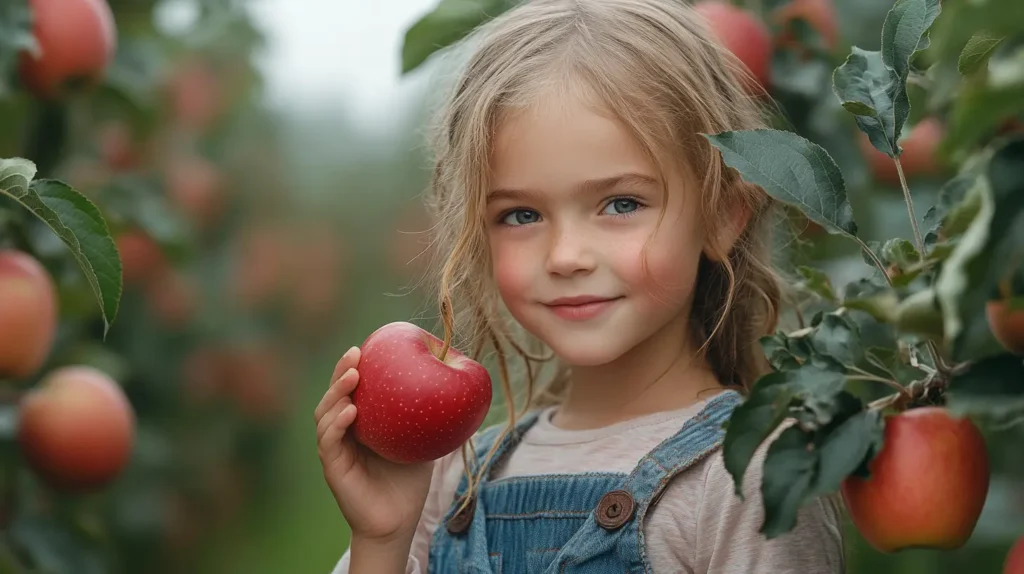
{"x":666,"y":270}
{"x":510,"y":262}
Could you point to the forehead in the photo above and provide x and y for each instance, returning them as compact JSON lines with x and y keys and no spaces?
{"x":560,"y":141}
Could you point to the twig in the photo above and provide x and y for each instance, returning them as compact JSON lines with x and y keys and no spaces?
{"x":919,"y":244}
{"x":918,"y":238}
{"x":887,"y":401}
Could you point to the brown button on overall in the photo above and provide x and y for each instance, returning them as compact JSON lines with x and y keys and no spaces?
{"x":460,"y":522}
{"x":614,"y":510}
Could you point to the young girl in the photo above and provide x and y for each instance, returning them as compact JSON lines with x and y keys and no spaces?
{"x":588,"y":227}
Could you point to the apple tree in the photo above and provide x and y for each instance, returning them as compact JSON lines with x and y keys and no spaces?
{"x":151,"y":305}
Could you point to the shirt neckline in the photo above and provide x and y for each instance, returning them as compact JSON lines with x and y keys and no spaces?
{"x":544,"y":432}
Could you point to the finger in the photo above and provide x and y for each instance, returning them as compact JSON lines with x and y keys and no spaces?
{"x":328,"y":419}
{"x":342,"y":388}
{"x":348,"y":361}
{"x":332,"y":445}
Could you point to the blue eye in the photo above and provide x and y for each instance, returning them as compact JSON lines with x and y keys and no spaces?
{"x":622,"y":206}
{"x":520,"y":217}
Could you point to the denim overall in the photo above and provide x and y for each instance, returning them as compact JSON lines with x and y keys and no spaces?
{"x":572,"y":523}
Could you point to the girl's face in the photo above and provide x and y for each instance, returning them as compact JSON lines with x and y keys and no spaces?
{"x":574,"y":202}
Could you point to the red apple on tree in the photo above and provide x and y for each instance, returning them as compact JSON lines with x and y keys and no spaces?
{"x":413,"y":406}
{"x":744,"y":35}
{"x":76,"y":41}
{"x":1007,"y":325}
{"x":927,"y":485}
{"x":76,"y":430}
{"x":28,"y":314}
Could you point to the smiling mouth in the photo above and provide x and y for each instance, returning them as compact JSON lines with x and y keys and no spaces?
{"x":580,"y":308}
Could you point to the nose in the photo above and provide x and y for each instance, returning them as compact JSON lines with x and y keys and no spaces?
{"x":570,"y":252}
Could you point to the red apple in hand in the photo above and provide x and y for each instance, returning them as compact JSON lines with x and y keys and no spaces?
{"x":927,"y":486}
{"x":1015,"y":558}
{"x":412,"y":406}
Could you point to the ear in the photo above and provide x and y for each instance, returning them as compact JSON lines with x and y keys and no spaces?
{"x":724,"y":236}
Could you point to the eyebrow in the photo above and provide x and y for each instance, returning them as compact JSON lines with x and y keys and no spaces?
{"x":585,"y":187}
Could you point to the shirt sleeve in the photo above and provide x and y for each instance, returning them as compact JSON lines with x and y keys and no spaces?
{"x":443,"y":484}
{"x":701,"y":526}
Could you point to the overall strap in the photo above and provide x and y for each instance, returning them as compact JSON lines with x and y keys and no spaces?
{"x":461,"y":533}
{"x":616,"y":523}
{"x":485,"y":441}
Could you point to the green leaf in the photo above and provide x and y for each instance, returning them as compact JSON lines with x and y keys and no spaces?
{"x":847,"y":445}
{"x":993,"y":386}
{"x":977,"y":51}
{"x":862,"y":85}
{"x":789,"y":470}
{"x":801,"y":465}
{"x":878,"y":300}
{"x":838,"y":338}
{"x":921,"y":314}
{"x":15,"y":37}
{"x":449,"y":22}
{"x":978,"y":112}
{"x":768,"y":404}
{"x":900,"y":252}
{"x":817,"y":281}
{"x":892,"y":365}
{"x":77,"y":222}
{"x":16,"y":175}
{"x":873,"y":85}
{"x":986,"y":253}
{"x":794,"y":171}
{"x":952,"y":194}
{"x":904,"y":33}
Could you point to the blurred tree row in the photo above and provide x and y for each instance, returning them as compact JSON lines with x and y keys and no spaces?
{"x":153,"y":302}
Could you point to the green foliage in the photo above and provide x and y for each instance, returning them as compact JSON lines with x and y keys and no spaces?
{"x":449,"y":22}
{"x":928,"y":294}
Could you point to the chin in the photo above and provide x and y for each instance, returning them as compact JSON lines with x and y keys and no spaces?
{"x":581,"y":352}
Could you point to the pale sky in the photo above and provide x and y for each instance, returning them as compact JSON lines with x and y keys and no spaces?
{"x":345,"y":51}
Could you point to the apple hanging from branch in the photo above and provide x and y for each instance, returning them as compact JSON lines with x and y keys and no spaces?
{"x":418,"y":397}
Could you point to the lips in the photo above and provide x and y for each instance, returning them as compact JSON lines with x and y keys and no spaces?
{"x":581,"y":307}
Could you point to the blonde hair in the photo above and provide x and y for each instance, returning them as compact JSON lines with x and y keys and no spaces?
{"x":658,"y":69}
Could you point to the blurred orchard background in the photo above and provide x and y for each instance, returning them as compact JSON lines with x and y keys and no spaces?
{"x":259,"y":164}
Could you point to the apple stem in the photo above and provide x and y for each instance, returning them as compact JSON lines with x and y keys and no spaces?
{"x":446,"y":320}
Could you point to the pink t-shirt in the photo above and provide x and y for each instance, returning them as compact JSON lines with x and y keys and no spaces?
{"x":698,"y":526}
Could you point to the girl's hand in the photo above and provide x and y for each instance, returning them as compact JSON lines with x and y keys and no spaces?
{"x":381,"y":501}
